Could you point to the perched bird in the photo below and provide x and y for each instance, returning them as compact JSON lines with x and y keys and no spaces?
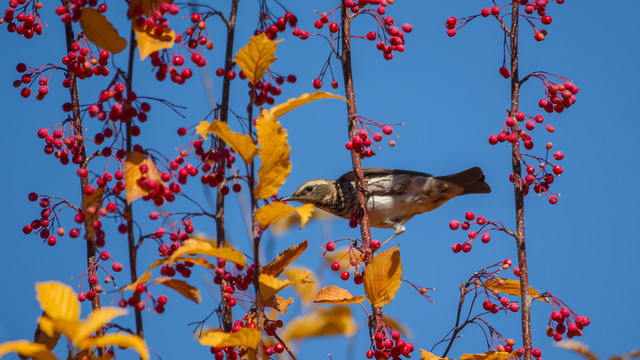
{"x":393,"y":196}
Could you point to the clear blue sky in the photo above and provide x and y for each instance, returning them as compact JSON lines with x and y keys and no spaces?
{"x":448,"y":93}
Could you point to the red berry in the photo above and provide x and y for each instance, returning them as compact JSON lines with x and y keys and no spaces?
{"x":335,"y":266}
{"x":469,"y":215}
{"x":330,"y":246}
{"x":344,"y":275}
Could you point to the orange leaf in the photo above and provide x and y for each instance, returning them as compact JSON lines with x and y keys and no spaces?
{"x":99,"y":30}
{"x":336,"y":320}
{"x":511,"y":287}
{"x":279,"y":303}
{"x":248,"y":337}
{"x":274,"y":154}
{"x":304,"y":212}
{"x":182,"y":287}
{"x":195,"y":245}
{"x":283,"y":259}
{"x":240,"y":143}
{"x":272,"y":213}
{"x":255,"y":58}
{"x":150,"y":42}
{"x":425,"y":355}
{"x":282,"y":226}
{"x":90,"y":206}
{"x":383,"y":277}
{"x":307,"y":288}
{"x":26,"y":349}
{"x":336,"y":295}
{"x":270,"y":285}
{"x":135,"y":188}
{"x":491,"y":355}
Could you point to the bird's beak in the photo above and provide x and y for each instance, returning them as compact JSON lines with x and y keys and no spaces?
{"x":288,"y":198}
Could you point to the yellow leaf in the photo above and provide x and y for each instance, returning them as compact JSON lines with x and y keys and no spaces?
{"x":383,"y":277}
{"x":304,"y":212}
{"x":182,"y":287}
{"x":121,"y":340}
{"x":279,"y":303}
{"x":255,"y":58}
{"x":199,"y":246}
{"x":99,"y":30}
{"x":291,"y":104}
{"x":248,"y":337}
{"x":90,"y":205}
{"x":274,"y":154}
{"x":240,"y":143}
{"x":425,"y":355}
{"x":48,"y":337}
{"x":579,"y":348}
{"x":26,"y":349}
{"x":58,"y":301}
{"x":511,"y":287}
{"x":96,"y":320}
{"x":270,"y":286}
{"x":336,"y":320}
{"x":491,"y":355}
{"x":132,"y":174}
{"x":280,"y":227}
{"x":150,"y":42}
{"x":141,"y":280}
{"x":272,"y":213}
{"x":283,"y":259}
{"x":336,"y":295}
{"x":305,"y":289}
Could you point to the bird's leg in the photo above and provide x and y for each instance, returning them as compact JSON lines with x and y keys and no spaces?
{"x":399,"y":230}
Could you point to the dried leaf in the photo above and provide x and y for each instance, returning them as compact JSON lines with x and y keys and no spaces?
{"x":200,"y":246}
{"x":336,"y":320}
{"x":48,"y":337}
{"x":273,"y":212}
{"x":305,"y":289}
{"x":26,"y":349}
{"x":336,"y":295}
{"x":248,"y":337}
{"x":425,"y":355}
{"x":90,"y":205}
{"x":99,"y":30}
{"x":149,"y":42}
{"x":491,"y":355}
{"x":132,"y":174}
{"x":255,"y":58}
{"x":96,"y":320}
{"x":578,"y":347}
{"x":121,"y":340}
{"x":383,"y":277}
{"x":279,"y":303}
{"x":291,"y":104}
{"x":270,"y":285}
{"x":240,"y":143}
{"x":304,"y":212}
{"x":511,"y":287}
{"x":182,"y":287}
{"x":274,"y":154}
{"x":283,"y":259}
{"x":58,"y":301}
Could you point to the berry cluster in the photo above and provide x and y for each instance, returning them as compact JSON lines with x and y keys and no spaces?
{"x":44,"y":225}
{"x":391,"y":346}
{"x":82,"y":62}
{"x":94,"y":287}
{"x":557,"y":321}
{"x":19,"y":12}
{"x":540,"y":6}
{"x":501,"y":302}
{"x":361,"y":143}
{"x":76,"y":6}
{"x":350,"y":257}
{"x":540,"y":177}
{"x":558,"y":97}
{"x":265,"y":89}
{"x":137,"y":302}
{"x":62,"y":147}
{"x":197,"y":35}
{"x":271,"y":29}
{"x":482,"y":232}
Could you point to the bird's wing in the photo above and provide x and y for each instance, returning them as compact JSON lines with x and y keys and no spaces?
{"x":380,"y":172}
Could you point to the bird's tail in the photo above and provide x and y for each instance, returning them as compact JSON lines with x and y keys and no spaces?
{"x":472,"y":180}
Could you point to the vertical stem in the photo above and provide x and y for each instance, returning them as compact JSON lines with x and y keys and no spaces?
{"x":375,"y":320}
{"x":76,"y":122}
{"x":519,"y":190}
{"x":227,"y":314}
{"x":131,"y":242}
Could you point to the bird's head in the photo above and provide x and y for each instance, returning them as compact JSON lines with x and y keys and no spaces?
{"x":319,"y":192}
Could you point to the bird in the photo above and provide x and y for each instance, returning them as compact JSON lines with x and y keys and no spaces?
{"x":393,"y":196}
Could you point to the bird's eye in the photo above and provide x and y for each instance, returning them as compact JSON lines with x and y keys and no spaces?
{"x":309,"y":188}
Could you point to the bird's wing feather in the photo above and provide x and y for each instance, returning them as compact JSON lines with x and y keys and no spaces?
{"x":380,"y":172}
